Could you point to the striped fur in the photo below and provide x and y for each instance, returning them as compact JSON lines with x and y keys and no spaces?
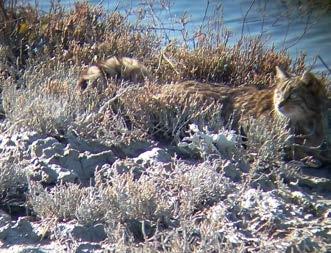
{"x":123,"y":68}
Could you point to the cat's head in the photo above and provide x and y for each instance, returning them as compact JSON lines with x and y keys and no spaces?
{"x":299,"y":97}
{"x":88,"y":77}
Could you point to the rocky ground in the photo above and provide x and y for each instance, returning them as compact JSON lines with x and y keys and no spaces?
{"x":111,"y":170}
{"x":211,"y":193}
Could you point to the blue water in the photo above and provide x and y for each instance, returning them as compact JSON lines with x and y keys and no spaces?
{"x":285,"y":25}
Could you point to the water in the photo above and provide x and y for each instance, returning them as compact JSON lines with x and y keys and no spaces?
{"x":284,"y":24}
{"x":287,"y":27}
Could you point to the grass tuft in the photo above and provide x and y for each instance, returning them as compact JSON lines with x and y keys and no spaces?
{"x":208,"y":203}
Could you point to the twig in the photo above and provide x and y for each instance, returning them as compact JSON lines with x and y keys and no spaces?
{"x":13,"y":20}
{"x":156,"y":19}
{"x":170,"y":63}
{"x":161,"y":29}
{"x":303,"y":33}
{"x":245,"y":17}
{"x":110,"y":101}
{"x":323,"y":62}
{"x":161,"y":56}
{"x":204,"y":16}
{"x":263,"y":13}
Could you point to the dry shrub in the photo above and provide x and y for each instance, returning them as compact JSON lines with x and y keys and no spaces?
{"x":246,"y":63}
{"x":47,"y":105}
{"x":57,"y":111}
{"x":77,"y":36}
{"x":184,"y":207}
{"x":126,"y":199}
{"x":54,"y":41}
{"x":167,"y":118}
{"x":86,"y":34}
{"x":60,"y":202}
{"x":201,"y":186}
{"x":50,"y":104}
{"x":56,"y":88}
{"x":266,"y":141}
{"x":113,"y":203}
{"x":175,"y":199}
{"x":12,"y":177}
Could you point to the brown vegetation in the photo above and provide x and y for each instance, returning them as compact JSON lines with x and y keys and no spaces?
{"x":182,"y":205}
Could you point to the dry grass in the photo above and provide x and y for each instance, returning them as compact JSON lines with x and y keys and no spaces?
{"x":177,"y":208}
{"x":77,"y":37}
{"x":53,"y":47}
{"x":12,"y":178}
{"x":185,"y":208}
{"x":246,"y":63}
{"x":167,"y":120}
{"x":88,"y":33}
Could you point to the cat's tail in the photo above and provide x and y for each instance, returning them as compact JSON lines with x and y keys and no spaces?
{"x":123,"y":68}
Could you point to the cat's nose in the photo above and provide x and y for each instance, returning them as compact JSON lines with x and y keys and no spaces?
{"x":281,"y":104}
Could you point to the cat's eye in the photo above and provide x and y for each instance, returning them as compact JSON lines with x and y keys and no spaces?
{"x":293,"y":96}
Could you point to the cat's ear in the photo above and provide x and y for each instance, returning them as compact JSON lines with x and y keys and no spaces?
{"x":308,"y":77}
{"x":313,"y":83}
{"x":281,"y":74}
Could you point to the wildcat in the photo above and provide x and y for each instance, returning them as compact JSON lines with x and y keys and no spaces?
{"x":301,"y":101}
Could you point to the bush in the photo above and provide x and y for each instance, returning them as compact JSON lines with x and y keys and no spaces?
{"x":200,"y":204}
